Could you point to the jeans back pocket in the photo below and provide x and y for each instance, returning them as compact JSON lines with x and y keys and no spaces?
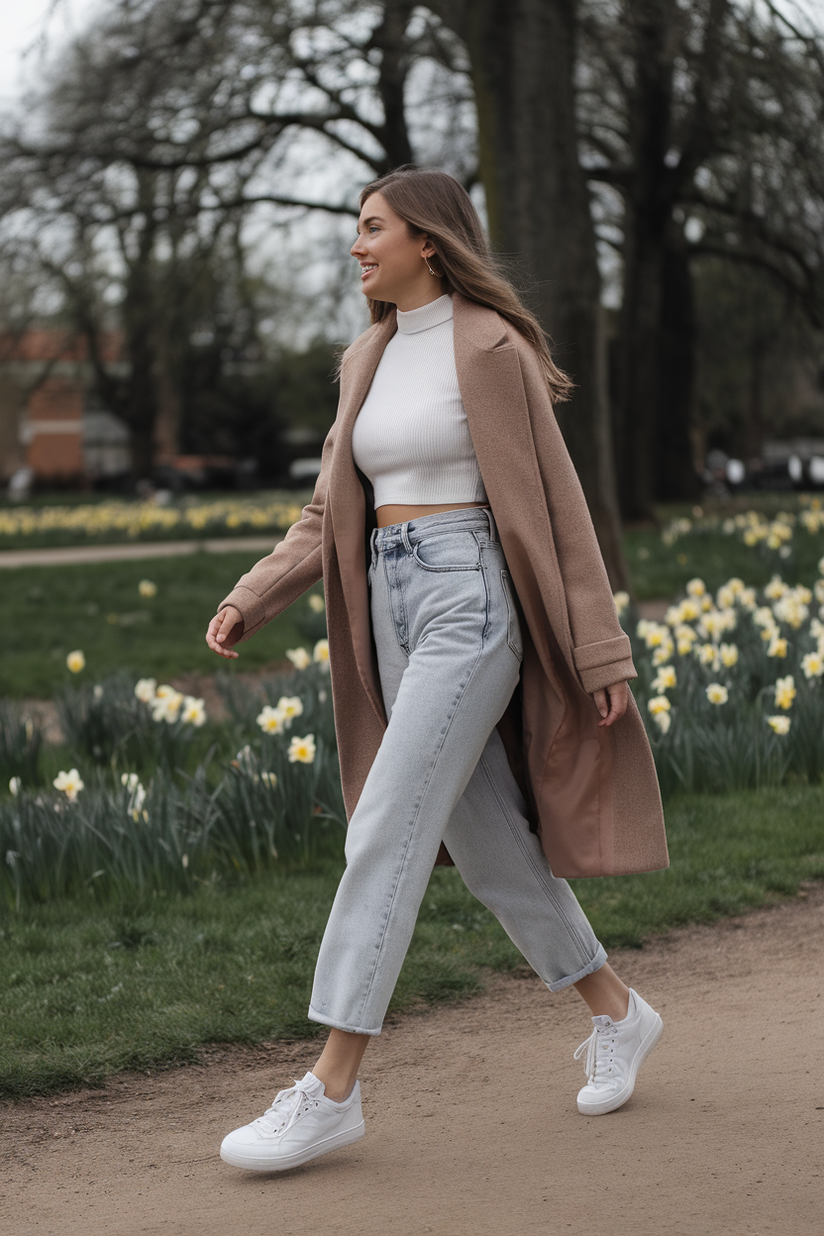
{"x":514,"y":636}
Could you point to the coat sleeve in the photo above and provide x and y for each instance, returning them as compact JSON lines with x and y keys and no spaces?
{"x":601,"y":649}
{"x":292,"y":567}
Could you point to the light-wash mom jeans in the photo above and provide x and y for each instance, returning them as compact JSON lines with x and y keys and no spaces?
{"x":449,"y":650}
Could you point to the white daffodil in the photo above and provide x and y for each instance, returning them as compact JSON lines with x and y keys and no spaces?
{"x":776,"y":588}
{"x":717,"y":694}
{"x":302,"y":750}
{"x":76,"y":661}
{"x":289,"y":707}
{"x":193,"y":711}
{"x":69,"y":783}
{"x":665,"y":679}
{"x":320,"y":655}
{"x":812,"y":665}
{"x":145,"y":689}
{"x":270,"y":720}
{"x":299,"y":657}
{"x":167,"y":704}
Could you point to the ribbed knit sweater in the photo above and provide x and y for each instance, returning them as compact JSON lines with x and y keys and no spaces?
{"x":411,"y":436}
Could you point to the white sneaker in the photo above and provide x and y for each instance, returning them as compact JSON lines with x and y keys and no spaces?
{"x":301,"y":1124}
{"x":615,"y":1052}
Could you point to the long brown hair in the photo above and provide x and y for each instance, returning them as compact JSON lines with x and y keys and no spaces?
{"x":436,"y":205}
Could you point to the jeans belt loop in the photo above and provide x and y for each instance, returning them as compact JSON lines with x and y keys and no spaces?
{"x":407,"y":544}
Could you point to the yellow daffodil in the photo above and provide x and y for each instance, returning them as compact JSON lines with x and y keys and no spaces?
{"x":777,"y":647}
{"x":785,"y":692}
{"x":76,"y":661}
{"x":728,"y":654}
{"x":779,"y":724}
{"x":658,"y":703}
{"x":146,"y":588}
{"x":717,"y":694}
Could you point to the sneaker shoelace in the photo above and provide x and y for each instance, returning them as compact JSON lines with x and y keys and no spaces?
{"x":599,"y":1048}
{"x":288,"y":1106}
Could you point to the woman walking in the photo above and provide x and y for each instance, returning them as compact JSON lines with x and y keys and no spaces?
{"x":479,"y":672}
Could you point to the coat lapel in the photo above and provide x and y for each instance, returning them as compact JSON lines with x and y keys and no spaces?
{"x":347,"y":505}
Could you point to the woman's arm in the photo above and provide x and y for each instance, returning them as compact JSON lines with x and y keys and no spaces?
{"x":278,"y":579}
{"x":601,"y":648}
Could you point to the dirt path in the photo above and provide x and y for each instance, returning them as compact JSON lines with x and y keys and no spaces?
{"x":73,"y":554}
{"x":471,"y":1121}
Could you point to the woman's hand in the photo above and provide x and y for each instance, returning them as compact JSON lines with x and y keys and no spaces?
{"x":224,"y":631}
{"x":611,"y":702}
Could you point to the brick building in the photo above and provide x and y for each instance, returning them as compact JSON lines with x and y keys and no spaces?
{"x":50,"y":421}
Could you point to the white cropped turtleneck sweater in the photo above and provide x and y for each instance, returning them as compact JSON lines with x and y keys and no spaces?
{"x":411,"y":437}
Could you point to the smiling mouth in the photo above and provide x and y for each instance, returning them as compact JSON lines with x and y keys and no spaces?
{"x":367,"y":270}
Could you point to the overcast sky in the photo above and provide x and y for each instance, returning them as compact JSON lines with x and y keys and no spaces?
{"x":21,"y":26}
{"x":22,"y":23}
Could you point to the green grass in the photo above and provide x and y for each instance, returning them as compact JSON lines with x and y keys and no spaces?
{"x":658,"y":570}
{"x":89,"y":989}
{"x":46,"y":612}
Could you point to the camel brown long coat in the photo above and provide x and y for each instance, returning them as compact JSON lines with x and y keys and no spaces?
{"x":592,"y":790}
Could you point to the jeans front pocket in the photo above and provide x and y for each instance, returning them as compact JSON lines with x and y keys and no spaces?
{"x":448,"y":551}
{"x":514,"y":637}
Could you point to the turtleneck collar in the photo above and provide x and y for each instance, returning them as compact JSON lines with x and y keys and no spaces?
{"x":433,"y":314}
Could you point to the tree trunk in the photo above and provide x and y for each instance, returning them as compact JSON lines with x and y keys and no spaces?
{"x":676,"y":478}
{"x":522,"y":55}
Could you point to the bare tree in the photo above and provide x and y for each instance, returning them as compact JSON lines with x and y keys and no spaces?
{"x":699,"y":117}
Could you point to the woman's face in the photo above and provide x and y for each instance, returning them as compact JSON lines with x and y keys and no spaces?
{"x":392,"y":260}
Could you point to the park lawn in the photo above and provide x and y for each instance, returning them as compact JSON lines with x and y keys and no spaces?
{"x":47,"y":612}
{"x":661,"y":571}
{"x":88,"y":989}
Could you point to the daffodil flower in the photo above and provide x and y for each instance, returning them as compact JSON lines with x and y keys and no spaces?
{"x":69,"y":783}
{"x":302,"y":750}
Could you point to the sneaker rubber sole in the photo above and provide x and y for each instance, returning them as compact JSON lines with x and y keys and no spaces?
{"x":257,"y":1160}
